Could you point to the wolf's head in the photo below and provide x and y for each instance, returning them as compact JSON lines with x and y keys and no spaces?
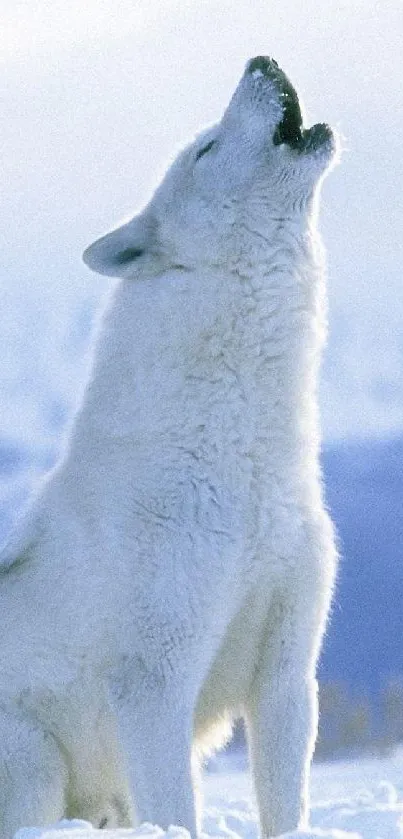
{"x":224,"y":196}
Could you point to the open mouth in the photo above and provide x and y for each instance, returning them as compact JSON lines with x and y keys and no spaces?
{"x":290,"y":130}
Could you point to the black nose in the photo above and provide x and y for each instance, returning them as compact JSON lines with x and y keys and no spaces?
{"x":263,"y":63}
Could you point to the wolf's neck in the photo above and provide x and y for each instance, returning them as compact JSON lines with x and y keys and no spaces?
{"x":181,"y":350}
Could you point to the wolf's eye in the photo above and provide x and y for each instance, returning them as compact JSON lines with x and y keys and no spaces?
{"x":204,"y":150}
{"x":128,"y":255}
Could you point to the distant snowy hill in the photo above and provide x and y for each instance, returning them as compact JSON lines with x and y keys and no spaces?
{"x":364,"y":483}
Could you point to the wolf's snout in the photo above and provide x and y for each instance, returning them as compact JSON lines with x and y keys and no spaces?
{"x":262,"y":63}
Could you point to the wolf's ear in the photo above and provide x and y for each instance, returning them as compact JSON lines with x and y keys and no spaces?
{"x":126,"y":250}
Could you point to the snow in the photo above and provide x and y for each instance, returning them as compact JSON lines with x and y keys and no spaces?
{"x":360,"y":799}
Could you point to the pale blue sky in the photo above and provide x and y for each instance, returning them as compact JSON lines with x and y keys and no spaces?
{"x":97,"y":96}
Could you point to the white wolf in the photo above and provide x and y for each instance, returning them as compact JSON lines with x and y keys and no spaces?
{"x":175,"y":570}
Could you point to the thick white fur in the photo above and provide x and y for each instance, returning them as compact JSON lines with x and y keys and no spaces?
{"x":175,"y":570}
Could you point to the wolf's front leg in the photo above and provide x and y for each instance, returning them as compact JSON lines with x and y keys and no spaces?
{"x":282,"y":716}
{"x":156,"y":729}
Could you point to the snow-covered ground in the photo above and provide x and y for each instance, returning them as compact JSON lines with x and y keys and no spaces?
{"x":360,"y":799}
